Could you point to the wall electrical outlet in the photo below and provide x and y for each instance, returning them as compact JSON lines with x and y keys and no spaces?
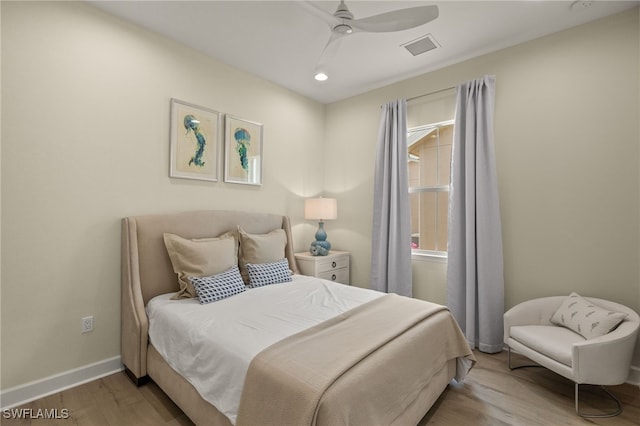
{"x":87,"y":324}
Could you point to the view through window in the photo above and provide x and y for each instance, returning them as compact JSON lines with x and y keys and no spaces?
{"x":429,"y":163}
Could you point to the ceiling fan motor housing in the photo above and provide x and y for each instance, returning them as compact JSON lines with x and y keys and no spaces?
{"x":343,"y":29}
{"x":343,"y":12}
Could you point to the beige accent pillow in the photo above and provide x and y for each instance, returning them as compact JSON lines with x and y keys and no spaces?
{"x":585,"y":318}
{"x":260,"y":248}
{"x":200,"y":258}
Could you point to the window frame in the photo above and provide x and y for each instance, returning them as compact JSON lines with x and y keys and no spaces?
{"x":418,"y":253}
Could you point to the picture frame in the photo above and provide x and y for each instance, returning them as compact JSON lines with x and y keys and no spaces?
{"x":195,"y":134}
{"x":242,"y":151}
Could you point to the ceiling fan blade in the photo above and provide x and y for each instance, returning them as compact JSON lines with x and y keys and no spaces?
{"x":330,"y":50}
{"x":396,"y":20}
{"x":319,"y":12}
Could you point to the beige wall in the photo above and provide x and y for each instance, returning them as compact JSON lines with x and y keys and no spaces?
{"x":85,"y":141}
{"x":567,"y":148}
{"x":85,"y":107}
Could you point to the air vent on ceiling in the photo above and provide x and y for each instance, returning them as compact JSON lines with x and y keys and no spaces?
{"x":421,"y":45}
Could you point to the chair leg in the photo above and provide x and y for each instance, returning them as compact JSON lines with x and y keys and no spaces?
{"x":576,"y":392}
{"x":509,"y":357}
{"x":590,"y":416}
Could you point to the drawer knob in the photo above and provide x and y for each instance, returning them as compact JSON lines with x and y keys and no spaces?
{"x":333,"y":277}
{"x":334,"y":264}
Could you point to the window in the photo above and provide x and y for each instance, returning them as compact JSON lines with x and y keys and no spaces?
{"x":429,"y":163}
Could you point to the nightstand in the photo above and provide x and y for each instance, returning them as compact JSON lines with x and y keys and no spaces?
{"x":332,"y":267}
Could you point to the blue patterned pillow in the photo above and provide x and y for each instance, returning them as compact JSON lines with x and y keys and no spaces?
{"x":261,"y":274}
{"x":220,"y":286}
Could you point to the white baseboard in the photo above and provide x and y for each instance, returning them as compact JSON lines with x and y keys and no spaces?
{"x":31,"y":391}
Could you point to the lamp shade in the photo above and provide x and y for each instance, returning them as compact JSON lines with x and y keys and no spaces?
{"x":320,"y":208}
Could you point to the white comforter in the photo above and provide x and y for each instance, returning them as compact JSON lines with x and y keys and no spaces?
{"x":212,"y":345}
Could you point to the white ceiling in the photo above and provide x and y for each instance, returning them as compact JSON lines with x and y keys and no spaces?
{"x":281,"y":41}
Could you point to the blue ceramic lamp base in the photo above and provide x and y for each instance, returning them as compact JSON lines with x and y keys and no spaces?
{"x":320,"y":247}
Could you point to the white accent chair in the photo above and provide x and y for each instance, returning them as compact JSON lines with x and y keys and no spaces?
{"x":603,"y":360}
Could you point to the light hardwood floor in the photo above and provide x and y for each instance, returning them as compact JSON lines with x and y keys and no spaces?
{"x":490,"y":396}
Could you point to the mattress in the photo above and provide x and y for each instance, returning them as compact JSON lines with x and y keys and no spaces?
{"x":212,"y":345}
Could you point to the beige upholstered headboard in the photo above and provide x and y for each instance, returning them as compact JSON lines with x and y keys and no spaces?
{"x":147,"y":271}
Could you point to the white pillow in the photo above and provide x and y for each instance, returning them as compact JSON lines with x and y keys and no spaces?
{"x":585,"y":318}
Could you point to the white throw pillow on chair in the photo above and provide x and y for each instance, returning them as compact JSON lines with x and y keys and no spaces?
{"x":585,"y":318}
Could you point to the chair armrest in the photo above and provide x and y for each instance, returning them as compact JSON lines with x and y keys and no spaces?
{"x":606,"y":360}
{"x":531,"y":312}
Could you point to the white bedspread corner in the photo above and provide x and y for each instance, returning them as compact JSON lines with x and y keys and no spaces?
{"x":212,"y":345}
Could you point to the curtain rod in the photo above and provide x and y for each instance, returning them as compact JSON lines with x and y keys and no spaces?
{"x":431,"y":93}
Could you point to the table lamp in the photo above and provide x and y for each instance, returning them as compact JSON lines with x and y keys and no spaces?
{"x":320,"y":209}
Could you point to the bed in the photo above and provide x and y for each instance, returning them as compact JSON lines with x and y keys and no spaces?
{"x":346,"y":356}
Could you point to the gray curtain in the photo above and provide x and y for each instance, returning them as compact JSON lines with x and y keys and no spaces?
{"x":391,"y":250}
{"x":475,"y":283}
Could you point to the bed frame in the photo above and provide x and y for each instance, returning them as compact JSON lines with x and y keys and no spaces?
{"x":147,"y":272}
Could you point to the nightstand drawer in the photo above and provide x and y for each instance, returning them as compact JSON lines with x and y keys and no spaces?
{"x":333,"y":267}
{"x":339,"y":276}
{"x":327,"y":265}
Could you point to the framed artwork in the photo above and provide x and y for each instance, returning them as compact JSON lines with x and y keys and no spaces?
{"x":195,"y":131}
{"x":242,"y":151}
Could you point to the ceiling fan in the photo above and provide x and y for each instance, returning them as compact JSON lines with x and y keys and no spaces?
{"x":342,"y":23}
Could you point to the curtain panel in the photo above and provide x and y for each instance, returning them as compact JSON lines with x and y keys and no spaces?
{"x":391,"y":245}
{"x":475,"y":283}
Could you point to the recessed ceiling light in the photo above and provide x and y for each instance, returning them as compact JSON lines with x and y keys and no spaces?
{"x":320,"y":76}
